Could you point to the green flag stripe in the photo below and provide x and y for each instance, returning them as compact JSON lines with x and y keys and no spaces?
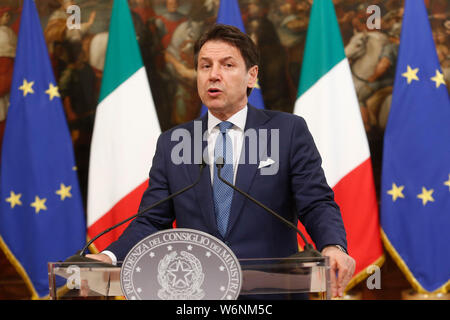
{"x":123,"y":57}
{"x":322,"y":53}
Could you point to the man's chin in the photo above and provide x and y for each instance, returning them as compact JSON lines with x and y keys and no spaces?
{"x":214,"y":107}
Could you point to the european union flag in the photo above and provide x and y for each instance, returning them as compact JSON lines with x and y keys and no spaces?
{"x":415,"y":199}
{"x":230,"y":14}
{"x":41,"y":217}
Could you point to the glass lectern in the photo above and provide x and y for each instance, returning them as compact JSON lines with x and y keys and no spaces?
{"x":87,"y":280}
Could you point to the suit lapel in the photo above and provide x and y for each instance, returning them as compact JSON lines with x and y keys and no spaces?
{"x":246,"y":170}
{"x":203,"y":190}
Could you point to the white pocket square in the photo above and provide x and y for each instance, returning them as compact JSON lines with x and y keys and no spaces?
{"x":265,"y":163}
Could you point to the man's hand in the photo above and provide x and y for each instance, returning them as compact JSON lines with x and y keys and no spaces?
{"x":342,"y":267}
{"x":100,"y":257}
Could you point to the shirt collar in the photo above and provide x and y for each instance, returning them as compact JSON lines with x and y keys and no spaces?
{"x":238,"y":119}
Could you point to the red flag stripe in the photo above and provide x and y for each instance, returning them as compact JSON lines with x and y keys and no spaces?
{"x":355,"y":194}
{"x":123,"y":209}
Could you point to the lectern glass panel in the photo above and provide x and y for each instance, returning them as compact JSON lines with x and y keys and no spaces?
{"x":86,"y":280}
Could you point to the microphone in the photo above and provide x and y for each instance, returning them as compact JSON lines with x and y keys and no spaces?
{"x":308,"y":250}
{"x":80,"y":255}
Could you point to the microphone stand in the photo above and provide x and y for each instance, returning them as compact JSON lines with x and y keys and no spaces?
{"x":308,"y":250}
{"x":80,"y":255}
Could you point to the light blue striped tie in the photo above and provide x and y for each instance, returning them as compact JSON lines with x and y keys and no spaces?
{"x":223,"y":194}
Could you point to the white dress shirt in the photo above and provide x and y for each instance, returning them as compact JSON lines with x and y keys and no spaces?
{"x":236,"y":134}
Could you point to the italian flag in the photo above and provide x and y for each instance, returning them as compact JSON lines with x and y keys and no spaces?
{"x":327,"y":101}
{"x":125,"y":132}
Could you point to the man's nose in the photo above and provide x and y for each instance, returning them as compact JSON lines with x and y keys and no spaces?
{"x":215,"y":74}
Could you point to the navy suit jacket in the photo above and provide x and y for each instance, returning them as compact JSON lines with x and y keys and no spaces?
{"x":297,"y":191}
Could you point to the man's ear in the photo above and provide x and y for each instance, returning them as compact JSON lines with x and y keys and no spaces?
{"x":253,"y":76}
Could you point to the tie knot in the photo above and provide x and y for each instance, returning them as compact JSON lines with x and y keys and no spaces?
{"x":224,"y":126}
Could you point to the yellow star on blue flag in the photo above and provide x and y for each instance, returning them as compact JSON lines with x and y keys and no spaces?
{"x":411,"y":74}
{"x":26,"y":87}
{"x":14,"y":199}
{"x":438,"y":79}
{"x":52,"y":91}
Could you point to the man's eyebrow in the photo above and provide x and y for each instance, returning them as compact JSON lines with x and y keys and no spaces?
{"x":227,"y":58}
{"x":221,"y":59}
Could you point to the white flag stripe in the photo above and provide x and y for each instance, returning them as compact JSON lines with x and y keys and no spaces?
{"x":123,"y":144}
{"x":344,"y":149}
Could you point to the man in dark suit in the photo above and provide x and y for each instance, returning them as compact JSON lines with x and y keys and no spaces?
{"x":270,"y":155}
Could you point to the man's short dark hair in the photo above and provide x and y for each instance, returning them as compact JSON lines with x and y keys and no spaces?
{"x":233,"y":36}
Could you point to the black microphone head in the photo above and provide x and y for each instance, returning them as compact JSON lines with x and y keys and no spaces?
{"x":220,"y":162}
{"x":308,"y":252}
{"x":82,"y":261}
